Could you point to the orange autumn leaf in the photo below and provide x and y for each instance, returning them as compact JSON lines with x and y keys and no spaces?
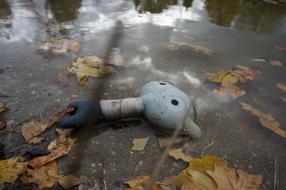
{"x":241,"y":180}
{"x":31,"y":130}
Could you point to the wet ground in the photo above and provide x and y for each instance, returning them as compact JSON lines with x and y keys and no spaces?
{"x":238,"y":31}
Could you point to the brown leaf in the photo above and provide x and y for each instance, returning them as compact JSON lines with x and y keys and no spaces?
{"x":276,"y":63}
{"x":11,"y":168}
{"x":281,"y":86}
{"x":190,"y":47}
{"x":62,"y":78}
{"x":45,"y":176}
{"x":32,"y":129}
{"x":179,"y":154}
{"x":231,"y":89}
{"x":241,"y":180}
{"x":139,"y":143}
{"x":69,"y":181}
{"x":56,"y":116}
{"x":164,"y":142}
{"x":193,"y":186}
{"x":58,"y":152}
{"x":265,"y":119}
{"x":36,"y":140}
{"x":222,"y":77}
{"x":244,"y":73}
{"x":221,"y":178}
{"x":202,"y":179}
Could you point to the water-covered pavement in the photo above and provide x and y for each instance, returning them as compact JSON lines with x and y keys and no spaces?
{"x":240,"y":32}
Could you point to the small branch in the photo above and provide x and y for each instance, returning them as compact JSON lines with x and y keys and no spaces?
{"x":207,"y":147}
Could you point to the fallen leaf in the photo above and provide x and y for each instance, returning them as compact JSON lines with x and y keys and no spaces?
{"x":2,"y":107}
{"x":63,"y":135}
{"x":241,"y":180}
{"x":58,"y":152}
{"x":36,"y":140}
{"x":276,"y":63}
{"x":220,"y":177}
{"x":52,"y":145}
{"x":244,"y":73}
{"x":164,"y":142}
{"x":2,"y":124}
{"x":32,"y":129}
{"x":138,"y":182}
{"x":265,"y":119}
{"x":11,"y":168}
{"x":139,"y":143}
{"x":62,"y":78}
{"x":56,"y":116}
{"x":69,"y":181}
{"x":281,"y":86}
{"x":45,"y":176}
{"x":179,"y":154}
{"x":202,"y":179}
{"x":222,"y":77}
{"x":193,"y":186}
{"x":59,"y":45}
{"x":193,"y":48}
{"x":89,"y":66}
{"x":280,"y":48}
{"x":231,"y":89}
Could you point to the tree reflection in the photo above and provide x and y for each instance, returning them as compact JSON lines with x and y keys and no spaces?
{"x":153,"y":6}
{"x":64,"y":10}
{"x":245,"y":14}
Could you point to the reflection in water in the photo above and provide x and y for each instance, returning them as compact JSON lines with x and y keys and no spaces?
{"x":64,"y":10}
{"x":5,"y":10}
{"x":244,"y":14}
{"x":157,"y":6}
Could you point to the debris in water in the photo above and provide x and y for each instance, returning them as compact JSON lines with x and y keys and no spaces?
{"x":193,"y":48}
{"x":32,"y":130}
{"x":179,"y":154}
{"x":139,"y":143}
{"x":11,"y":168}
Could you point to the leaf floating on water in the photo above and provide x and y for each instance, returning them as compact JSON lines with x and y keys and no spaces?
{"x":139,"y":143}
{"x":265,"y":119}
{"x":281,"y":86}
{"x":233,"y":90}
{"x":220,"y":176}
{"x":202,"y":179}
{"x":193,"y":186}
{"x":276,"y":63}
{"x":191,"y":47}
{"x":179,"y":154}
{"x":245,"y":73}
{"x":2,"y":107}
{"x":241,"y":180}
{"x":222,"y":77}
{"x":45,"y":176}
{"x":58,"y":152}
{"x":89,"y":66}
{"x":69,"y":181}
{"x":30,"y":131}
{"x":11,"y":168}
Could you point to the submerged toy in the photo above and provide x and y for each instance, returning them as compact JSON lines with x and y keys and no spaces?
{"x":162,"y":104}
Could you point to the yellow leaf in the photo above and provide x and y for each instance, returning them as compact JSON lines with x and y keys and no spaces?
{"x":52,"y":145}
{"x":36,"y":140}
{"x":32,"y":129}
{"x":45,"y":176}
{"x":139,"y":143}
{"x":69,"y":181}
{"x":202,"y":179}
{"x":281,"y":86}
{"x":2,"y":107}
{"x":231,"y":89}
{"x":11,"y":168}
{"x":222,"y":77}
{"x":193,"y":186}
{"x":179,"y":154}
{"x":220,"y":176}
{"x":241,"y":180}
{"x":89,"y":66}
{"x":138,"y":182}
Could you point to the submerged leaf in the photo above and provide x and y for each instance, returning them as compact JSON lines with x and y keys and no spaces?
{"x":220,"y":176}
{"x":89,"y":66}
{"x":191,"y":47}
{"x":11,"y":168}
{"x":45,"y":176}
{"x":32,"y":130}
{"x":222,"y":77}
{"x":265,"y":119}
{"x":179,"y":154}
{"x":241,"y":180}
{"x":139,"y":143}
{"x":231,"y":89}
{"x":69,"y":181}
{"x":202,"y":179}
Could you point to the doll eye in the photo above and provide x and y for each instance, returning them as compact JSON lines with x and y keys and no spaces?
{"x":174,"y":102}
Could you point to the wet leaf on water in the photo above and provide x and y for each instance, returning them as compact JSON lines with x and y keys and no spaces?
{"x":191,"y":47}
{"x":45,"y":176}
{"x":32,"y":130}
{"x":222,"y":77}
{"x":89,"y":66}
{"x":231,"y":89}
{"x":69,"y":181}
{"x":280,"y":48}
{"x":56,"y":116}
{"x":245,"y":73}
{"x":60,"y":46}
{"x":36,"y":140}
{"x":281,"y":86}
{"x":276,"y":63}
{"x":58,"y":152}
{"x":164,"y":142}
{"x":2,"y":107}
{"x":193,"y":186}
{"x":241,"y":180}
{"x":219,"y":174}
{"x":179,"y":154}
{"x":139,"y":143}
{"x":202,"y":179}
{"x":62,"y":77}
{"x":11,"y":168}
{"x":265,"y":119}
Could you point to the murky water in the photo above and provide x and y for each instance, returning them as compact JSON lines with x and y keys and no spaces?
{"x":239,"y":32}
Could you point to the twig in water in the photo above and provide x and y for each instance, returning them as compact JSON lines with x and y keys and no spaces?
{"x":206,"y":147}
